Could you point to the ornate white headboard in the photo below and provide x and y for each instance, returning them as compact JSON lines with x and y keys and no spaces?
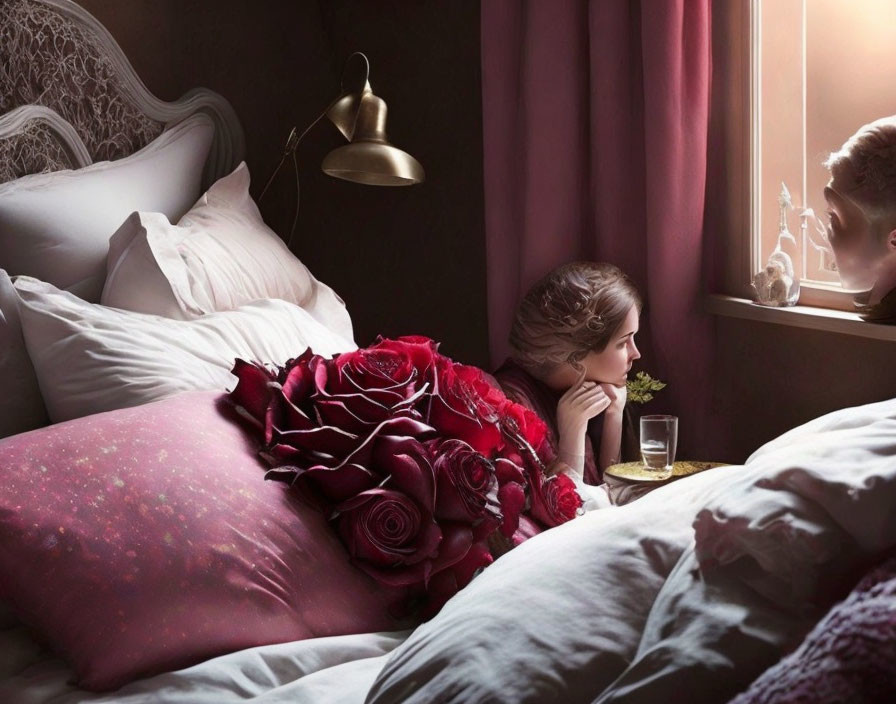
{"x":69,"y":96}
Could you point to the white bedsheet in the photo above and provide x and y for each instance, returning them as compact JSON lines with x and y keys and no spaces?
{"x":337,"y":670}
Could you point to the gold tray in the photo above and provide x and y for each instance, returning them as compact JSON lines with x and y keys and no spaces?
{"x":636,"y":472}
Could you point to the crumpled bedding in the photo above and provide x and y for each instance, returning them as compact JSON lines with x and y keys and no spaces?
{"x":695,"y":589}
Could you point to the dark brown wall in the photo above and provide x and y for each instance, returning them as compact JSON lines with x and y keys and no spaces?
{"x":406,"y":260}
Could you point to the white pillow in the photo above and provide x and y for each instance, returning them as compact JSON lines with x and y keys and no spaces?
{"x":90,"y":358}
{"x":21,"y":405}
{"x":57,"y":226}
{"x":219,"y":256}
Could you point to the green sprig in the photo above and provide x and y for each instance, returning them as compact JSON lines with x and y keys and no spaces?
{"x":641,"y":388}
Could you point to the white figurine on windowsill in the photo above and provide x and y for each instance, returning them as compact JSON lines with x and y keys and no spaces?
{"x":776,"y":285}
{"x":772,"y":285}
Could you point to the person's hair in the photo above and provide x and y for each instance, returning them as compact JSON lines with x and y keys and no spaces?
{"x":869,"y":156}
{"x":572,"y":311}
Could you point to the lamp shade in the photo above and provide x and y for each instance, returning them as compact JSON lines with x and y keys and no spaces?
{"x":369,"y":159}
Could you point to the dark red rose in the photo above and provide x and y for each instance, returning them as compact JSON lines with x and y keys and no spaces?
{"x":422,"y":352}
{"x":374,"y":369}
{"x":447,"y":582}
{"x":555,"y":500}
{"x":390,"y":535}
{"x":252,"y":393}
{"x":512,"y":485}
{"x":519,"y":422}
{"x":526,"y":529}
{"x":358,"y":390}
{"x":466,"y":485}
{"x":458,"y":411}
{"x":290,"y":406}
{"x":491,"y":398}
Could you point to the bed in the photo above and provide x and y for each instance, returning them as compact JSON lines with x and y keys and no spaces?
{"x":143,"y":559}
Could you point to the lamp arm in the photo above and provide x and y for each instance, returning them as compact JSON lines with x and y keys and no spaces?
{"x":289,"y":149}
{"x":292,"y":141}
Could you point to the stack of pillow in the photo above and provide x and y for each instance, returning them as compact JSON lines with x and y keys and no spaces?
{"x":131,"y":533}
{"x":126,"y":308}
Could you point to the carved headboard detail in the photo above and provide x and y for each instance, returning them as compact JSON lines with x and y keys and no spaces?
{"x":55,"y":54}
{"x":35,"y":139}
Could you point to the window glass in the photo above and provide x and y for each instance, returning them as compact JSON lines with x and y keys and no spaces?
{"x":821,"y":69}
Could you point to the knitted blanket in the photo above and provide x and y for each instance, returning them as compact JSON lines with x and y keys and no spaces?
{"x":849,"y":657}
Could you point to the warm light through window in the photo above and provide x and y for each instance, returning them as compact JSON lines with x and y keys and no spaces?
{"x":821,"y":69}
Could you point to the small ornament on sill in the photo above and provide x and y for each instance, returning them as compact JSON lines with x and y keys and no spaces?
{"x":777,"y":284}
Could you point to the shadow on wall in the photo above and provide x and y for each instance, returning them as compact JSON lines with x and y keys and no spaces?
{"x":406,"y":260}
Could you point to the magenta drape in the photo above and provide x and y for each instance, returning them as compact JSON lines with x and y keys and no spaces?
{"x":595,"y":117}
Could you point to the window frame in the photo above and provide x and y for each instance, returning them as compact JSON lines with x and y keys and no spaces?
{"x":734,"y":132}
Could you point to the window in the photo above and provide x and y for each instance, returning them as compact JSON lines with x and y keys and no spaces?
{"x":819,"y":69}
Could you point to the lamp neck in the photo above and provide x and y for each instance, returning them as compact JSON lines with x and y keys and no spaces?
{"x":370,"y":125}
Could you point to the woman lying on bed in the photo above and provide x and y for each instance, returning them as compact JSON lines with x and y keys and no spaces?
{"x":573,"y":343}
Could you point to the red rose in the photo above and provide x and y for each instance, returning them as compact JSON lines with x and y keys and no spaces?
{"x":511,"y":493}
{"x":357,"y":390}
{"x":252,"y":393}
{"x":447,"y":582}
{"x":422,"y":352}
{"x":384,"y":528}
{"x":519,"y":422}
{"x":290,"y":405}
{"x":458,"y":411}
{"x":466,"y":485}
{"x":555,"y":500}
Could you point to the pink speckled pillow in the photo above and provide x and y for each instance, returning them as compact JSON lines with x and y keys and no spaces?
{"x":146,"y":539}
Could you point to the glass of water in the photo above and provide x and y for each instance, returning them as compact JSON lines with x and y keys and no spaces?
{"x":659,"y":438}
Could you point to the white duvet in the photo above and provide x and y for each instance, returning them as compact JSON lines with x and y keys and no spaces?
{"x":687,"y":594}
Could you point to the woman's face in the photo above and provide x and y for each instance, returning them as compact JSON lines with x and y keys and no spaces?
{"x":612,"y":364}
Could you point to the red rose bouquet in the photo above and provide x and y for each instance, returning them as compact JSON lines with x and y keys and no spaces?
{"x":420,"y":462}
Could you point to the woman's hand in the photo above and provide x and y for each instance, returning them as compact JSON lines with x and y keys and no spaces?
{"x":582,"y":401}
{"x":618,"y":394}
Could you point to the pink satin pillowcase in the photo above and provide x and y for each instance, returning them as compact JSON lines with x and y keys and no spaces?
{"x":146,"y":539}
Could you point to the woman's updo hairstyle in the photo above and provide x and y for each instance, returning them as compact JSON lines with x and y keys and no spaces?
{"x":572,"y":311}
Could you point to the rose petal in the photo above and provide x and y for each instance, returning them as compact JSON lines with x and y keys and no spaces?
{"x":483,"y":437}
{"x":508,"y":471}
{"x":252,"y":392}
{"x":327,"y":439}
{"x":409,"y":470}
{"x":364,"y":408}
{"x":338,"y":485}
{"x":512,"y":499}
{"x":332,"y":412}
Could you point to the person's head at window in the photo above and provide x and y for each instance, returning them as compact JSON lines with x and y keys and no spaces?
{"x":580,"y":316}
{"x":861,"y":200}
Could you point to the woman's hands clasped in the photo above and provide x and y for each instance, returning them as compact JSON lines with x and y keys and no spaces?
{"x":580,"y":403}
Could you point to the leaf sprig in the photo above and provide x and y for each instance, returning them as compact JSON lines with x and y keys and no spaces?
{"x":641,"y":388}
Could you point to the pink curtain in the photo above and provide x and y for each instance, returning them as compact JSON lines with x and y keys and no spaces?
{"x":595,"y":118}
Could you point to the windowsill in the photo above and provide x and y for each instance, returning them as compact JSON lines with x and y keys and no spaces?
{"x":837,"y":321}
